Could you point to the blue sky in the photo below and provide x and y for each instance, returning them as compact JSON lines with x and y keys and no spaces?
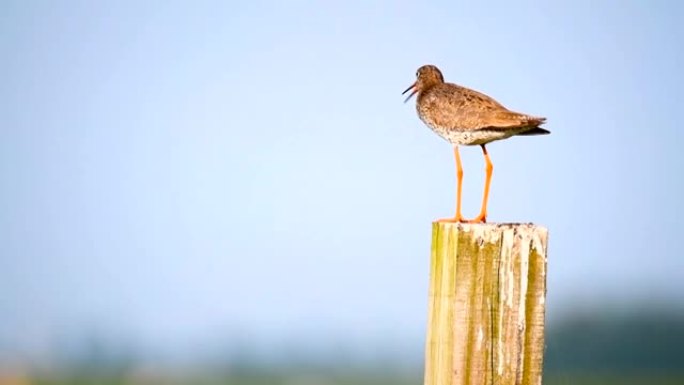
{"x":177,"y":172}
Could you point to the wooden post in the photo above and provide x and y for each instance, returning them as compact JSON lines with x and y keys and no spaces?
{"x":486,"y":304}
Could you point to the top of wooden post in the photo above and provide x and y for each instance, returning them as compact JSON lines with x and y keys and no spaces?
{"x":489,"y":232}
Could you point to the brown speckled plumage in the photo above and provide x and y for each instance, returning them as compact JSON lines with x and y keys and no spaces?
{"x":466,"y":117}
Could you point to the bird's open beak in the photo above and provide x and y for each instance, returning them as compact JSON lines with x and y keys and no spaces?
{"x":412,"y":87}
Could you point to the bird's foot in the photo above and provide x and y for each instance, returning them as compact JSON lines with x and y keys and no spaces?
{"x":459,"y":219}
{"x":451,"y":220}
{"x":482,"y":218}
{"x":456,"y":219}
{"x":478,"y":219}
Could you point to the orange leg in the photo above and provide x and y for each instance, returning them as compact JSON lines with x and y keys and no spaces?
{"x":488,"y":178}
{"x":459,"y":185}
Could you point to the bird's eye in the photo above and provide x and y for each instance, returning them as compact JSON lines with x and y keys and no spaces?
{"x":417,"y":73}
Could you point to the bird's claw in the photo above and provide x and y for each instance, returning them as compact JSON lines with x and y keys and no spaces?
{"x":482,"y":218}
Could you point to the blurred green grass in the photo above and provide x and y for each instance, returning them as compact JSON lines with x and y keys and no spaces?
{"x":587,"y":348}
{"x":292,"y":379}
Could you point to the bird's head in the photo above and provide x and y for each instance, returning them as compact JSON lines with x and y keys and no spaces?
{"x":427,"y":76}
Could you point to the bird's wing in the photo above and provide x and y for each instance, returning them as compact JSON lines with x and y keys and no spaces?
{"x":462,"y":108}
{"x":476,"y":100}
{"x":483,"y":112}
{"x":457,"y":107}
{"x":505,"y":119}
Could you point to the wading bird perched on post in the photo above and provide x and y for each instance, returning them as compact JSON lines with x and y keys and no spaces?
{"x":466,"y":117}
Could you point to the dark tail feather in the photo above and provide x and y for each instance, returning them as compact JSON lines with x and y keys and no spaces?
{"x":535,"y":131}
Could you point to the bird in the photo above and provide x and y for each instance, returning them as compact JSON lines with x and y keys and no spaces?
{"x":465,"y":117}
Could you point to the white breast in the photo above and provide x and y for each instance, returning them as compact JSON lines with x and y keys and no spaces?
{"x":470,"y":138}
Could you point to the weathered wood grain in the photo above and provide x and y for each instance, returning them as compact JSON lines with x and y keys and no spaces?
{"x":486,"y":304}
